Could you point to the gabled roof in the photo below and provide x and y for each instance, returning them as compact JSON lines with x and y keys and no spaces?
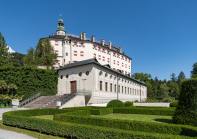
{"x":95,"y":61}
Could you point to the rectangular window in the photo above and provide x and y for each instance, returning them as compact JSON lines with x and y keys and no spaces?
{"x":111,"y":87}
{"x":106,"y":86}
{"x":115,"y":88}
{"x":56,"y":42}
{"x":122,"y":90}
{"x":118,"y":88}
{"x":125,"y":90}
{"x":75,"y":43}
{"x":128,"y":90}
{"x":101,"y":85}
{"x":81,"y":53}
{"x":66,"y":54}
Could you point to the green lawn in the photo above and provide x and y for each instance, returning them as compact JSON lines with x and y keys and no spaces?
{"x":5,"y":107}
{"x":48,"y":117}
{"x":138,"y":117}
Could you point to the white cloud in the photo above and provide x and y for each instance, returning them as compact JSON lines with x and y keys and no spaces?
{"x":10,"y":50}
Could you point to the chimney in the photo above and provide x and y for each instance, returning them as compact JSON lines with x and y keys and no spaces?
{"x":81,"y":36}
{"x":109,"y":44}
{"x":93,"y":38}
{"x":84,"y":35}
{"x":103,"y":42}
{"x":120,"y":49}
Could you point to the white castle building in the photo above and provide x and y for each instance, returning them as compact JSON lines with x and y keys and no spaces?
{"x":95,"y":67}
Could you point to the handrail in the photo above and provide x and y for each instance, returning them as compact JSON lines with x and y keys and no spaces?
{"x":29,"y":99}
{"x":79,"y":92}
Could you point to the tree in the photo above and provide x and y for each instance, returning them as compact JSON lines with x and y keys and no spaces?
{"x":181,"y":77}
{"x":12,"y":86}
{"x":5,"y":58}
{"x":163,"y":92}
{"x":17,"y":59}
{"x":173,"y":77}
{"x":194,"y":71}
{"x":3,"y":85}
{"x":3,"y":97}
{"x":43,"y":55}
{"x":142,"y":76}
{"x":174,"y":90}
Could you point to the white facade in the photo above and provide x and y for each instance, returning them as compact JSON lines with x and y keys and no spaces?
{"x":102,"y":83}
{"x":72,"y":48}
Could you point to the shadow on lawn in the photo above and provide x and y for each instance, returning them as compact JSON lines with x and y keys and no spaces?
{"x":168,"y":121}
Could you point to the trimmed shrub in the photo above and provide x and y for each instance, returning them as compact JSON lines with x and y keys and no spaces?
{"x":115,"y":103}
{"x":174,"y":103}
{"x":101,"y":111}
{"x":128,"y":124}
{"x":128,"y":104}
{"x":186,"y":112}
{"x":149,"y":111}
{"x":15,"y":118}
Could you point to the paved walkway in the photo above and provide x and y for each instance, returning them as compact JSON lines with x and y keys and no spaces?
{"x":5,"y":134}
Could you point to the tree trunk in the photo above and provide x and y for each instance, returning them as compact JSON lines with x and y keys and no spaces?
{"x":2,"y":90}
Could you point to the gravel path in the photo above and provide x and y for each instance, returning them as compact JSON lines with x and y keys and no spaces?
{"x":5,"y":134}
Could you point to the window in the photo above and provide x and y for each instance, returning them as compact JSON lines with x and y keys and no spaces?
{"x":101,"y":85}
{"x":75,"y":53}
{"x":111,"y":76}
{"x":100,"y":73}
{"x":128,"y":90}
{"x":111,"y":87}
{"x":115,"y":78}
{"x":61,"y":76}
{"x":122,"y":89}
{"x":56,"y":42}
{"x":66,"y":75}
{"x":125,"y":90}
{"x":106,"y":85}
{"x":81,"y":53}
{"x":118,"y":88}
{"x":115,"y":88}
{"x":106,"y":74}
{"x":87,"y":73}
{"x":66,"y":54}
{"x":80,"y":73}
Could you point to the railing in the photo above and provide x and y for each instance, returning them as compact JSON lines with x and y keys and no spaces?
{"x":29,"y":99}
{"x":79,"y":92}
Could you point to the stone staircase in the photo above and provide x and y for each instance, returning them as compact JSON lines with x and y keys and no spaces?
{"x":46,"y":101}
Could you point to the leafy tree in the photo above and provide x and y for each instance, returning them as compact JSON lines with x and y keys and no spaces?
{"x":3,"y":98}
{"x":12,"y":86}
{"x":174,"y":90}
{"x":142,"y":76}
{"x":5,"y":58}
{"x":43,"y":55}
{"x":194,"y":71}
{"x":3,"y":85}
{"x":17,"y":59}
{"x":163,"y":92}
{"x":181,"y":77}
{"x":173,"y":77}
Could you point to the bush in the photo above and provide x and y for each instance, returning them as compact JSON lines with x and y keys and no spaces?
{"x":130,"y":125}
{"x":101,"y":111}
{"x":16,"y":118}
{"x":136,"y":100}
{"x":174,"y":103}
{"x":186,"y":112}
{"x":128,"y":104}
{"x":115,"y":103}
{"x":143,"y":110}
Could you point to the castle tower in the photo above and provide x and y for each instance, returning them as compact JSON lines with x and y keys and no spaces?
{"x":60,"y":29}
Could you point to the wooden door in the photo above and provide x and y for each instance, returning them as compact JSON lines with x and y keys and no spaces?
{"x":73,"y":86}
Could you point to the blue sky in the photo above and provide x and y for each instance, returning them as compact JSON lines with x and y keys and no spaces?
{"x":159,"y":35}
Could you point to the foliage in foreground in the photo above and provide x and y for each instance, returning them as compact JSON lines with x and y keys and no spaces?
{"x":128,"y":104}
{"x":186,"y":112}
{"x":115,"y":103}
{"x":22,"y":119}
{"x":174,"y":103}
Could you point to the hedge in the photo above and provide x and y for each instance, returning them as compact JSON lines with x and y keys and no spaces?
{"x":186,"y":112}
{"x":101,"y":111}
{"x":30,"y":80}
{"x":149,"y":111}
{"x":77,"y":130}
{"x":115,"y":103}
{"x":128,"y":104}
{"x":173,"y":129}
{"x":174,"y":103}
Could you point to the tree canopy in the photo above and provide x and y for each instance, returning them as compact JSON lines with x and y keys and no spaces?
{"x":194,"y":71}
{"x":17,"y":59}
{"x":44,"y":54}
